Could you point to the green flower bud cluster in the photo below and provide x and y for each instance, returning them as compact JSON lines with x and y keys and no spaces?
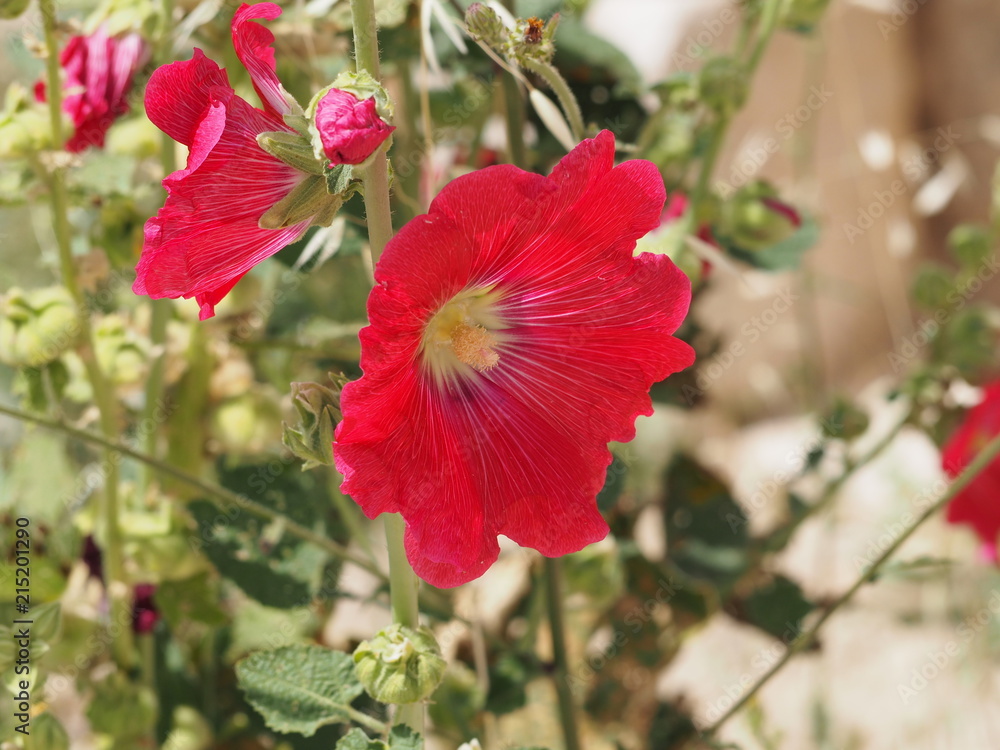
{"x":723,"y":85}
{"x":122,"y":354}
{"x":531,"y":39}
{"x":37,"y":326}
{"x":24,"y":125}
{"x":318,"y":408}
{"x":400,"y":664}
{"x":750,"y":220}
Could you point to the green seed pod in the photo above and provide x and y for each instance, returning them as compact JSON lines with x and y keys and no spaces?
{"x":400,"y":664}
{"x":971,"y":245}
{"x":36,"y":327}
{"x":723,"y":85}
{"x":13,"y":8}
{"x":484,"y":24}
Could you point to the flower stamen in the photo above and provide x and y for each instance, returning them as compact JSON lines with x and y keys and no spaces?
{"x":473,"y":345}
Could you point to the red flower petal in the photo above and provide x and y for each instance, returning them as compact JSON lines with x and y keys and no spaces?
{"x":519,"y":448}
{"x":979,"y":503}
{"x":97,"y":74}
{"x":253,"y":46}
{"x":206,"y":236}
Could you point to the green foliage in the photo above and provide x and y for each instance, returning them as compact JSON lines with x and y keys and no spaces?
{"x":300,"y":688}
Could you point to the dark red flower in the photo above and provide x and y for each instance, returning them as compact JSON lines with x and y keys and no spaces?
{"x":513,"y":335}
{"x":145,"y":614}
{"x":208,"y":234}
{"x":97,"y":76}
{"x":979,"y":503}
{"x":349,"y":128}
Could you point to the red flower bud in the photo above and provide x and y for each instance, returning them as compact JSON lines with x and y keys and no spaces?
{"x":350,"y":129}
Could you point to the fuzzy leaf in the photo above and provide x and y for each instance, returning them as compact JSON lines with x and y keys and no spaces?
{"x":299,"y":688}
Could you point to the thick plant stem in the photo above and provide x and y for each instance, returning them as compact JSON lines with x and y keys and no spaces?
{"x":567,"y":100}
{"x":557,"y":622}
{"x":104,"y":397}
{"x":982,"y":460}
{"x":375,"y":179}
{"x":405,"y":606}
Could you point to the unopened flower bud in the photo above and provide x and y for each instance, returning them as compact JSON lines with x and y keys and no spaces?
{"x":400,"y":664}
{"x":349,"y":129}
{"x":13,"y":8}
{"x":844,"y":421}
{"x":36,"y":327}
{"x":971,"y":244}
{"x":485,"y":25}
{"x":723,"y":85}
{"x":318,"y":407}
{"x":755,"y":218}
{"x":932,"y":286}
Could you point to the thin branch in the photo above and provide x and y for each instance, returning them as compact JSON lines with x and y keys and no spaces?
{"x":982,"y":460}
{"x":212,"y":490}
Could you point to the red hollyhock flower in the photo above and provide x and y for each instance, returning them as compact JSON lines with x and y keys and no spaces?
{"x":207,"y":235}
{"x":349,"y":128}
{"x":97,"y":76}
{"x":513,"y":335}
{"x":979,"y":503}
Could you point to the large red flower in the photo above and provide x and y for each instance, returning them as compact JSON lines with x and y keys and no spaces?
{"x":97,"y":77}
{"x":979,"y":503}
{"x":207,"y":235}
{"x":513,"y":334}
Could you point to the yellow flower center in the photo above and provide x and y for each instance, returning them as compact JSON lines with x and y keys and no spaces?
{"x":464,"y":333}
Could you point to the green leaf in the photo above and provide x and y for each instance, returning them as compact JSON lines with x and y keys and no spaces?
{"x":706,"y":527}
{"x":785,"y":254}
{"x":338,"y":178}
{"x":401,"y":737}
{"x":269,"y":565}
{"x":585,"y":55}
{"x":358,"y":740}
{"x":777,"y":607}
{"x":299,"y":688}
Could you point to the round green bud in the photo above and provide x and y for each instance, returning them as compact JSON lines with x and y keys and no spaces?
{"x":971,"y":245}
{"x":36,"y":327}
{"x":13,"y":8}
{"x":400,"y":664}
{"x":723,"y":85}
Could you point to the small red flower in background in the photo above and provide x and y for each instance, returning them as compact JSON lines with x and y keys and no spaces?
{"x":145,"y":613}
{"x":513,"y":335}
{"x":207,"y":235}
{"x":349,"y":128}
{"x":979,"y":503}
{"x":97,"y":76}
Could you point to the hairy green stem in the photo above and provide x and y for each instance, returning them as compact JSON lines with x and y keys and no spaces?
{"x":104,"y":397}
{"x":211,"y":491}
{"x":567,"y":100}
{"x":983,"y":459}
{"x":557,"y":622}
{"x":375,"y":179}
